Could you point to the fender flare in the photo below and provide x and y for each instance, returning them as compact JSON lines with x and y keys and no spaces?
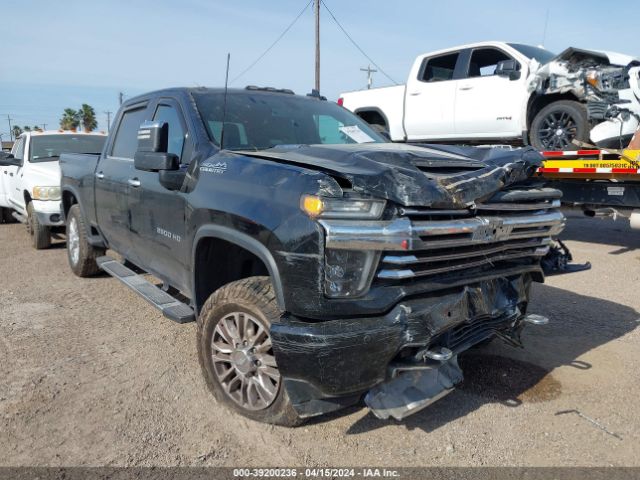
{"x":248,"y":243}
{"x":72,"y":191}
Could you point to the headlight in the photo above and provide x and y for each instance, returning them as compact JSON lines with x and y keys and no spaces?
{"x":46,"y":193}
{"x":593,"y":78}
{"x":348,"y":273}
{"x":322,"y":207}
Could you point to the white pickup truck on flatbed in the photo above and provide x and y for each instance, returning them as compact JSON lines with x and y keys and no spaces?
{"x":497,"y":92}
{"x":30,"y":179}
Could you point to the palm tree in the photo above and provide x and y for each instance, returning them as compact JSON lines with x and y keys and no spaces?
{"x":17,"y":131}
{"x":88,"y":117}
{"x":26,"y":128}
{"x":70,"y":119}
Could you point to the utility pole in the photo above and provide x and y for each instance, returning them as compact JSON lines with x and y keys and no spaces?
{"x":317,"y":10}
{"x":10,"y":129}
{"x":108,"y":119}
{"x":120,"y":97}
{"x":44,"y":126}
{"x":369,"y":71}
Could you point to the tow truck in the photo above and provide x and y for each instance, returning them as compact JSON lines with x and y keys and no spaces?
{"x":603,"y":183}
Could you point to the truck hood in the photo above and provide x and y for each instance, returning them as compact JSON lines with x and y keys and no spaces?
{"x":567,"y":71}
{"x":414,"y":175}
{"x":44,"y":174}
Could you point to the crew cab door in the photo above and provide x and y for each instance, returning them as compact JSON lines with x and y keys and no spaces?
{"x":489,"y":105}
{"x":430,"y":98}
{"x":157,"y":213}
{"x":11,"y":184}
{"x":112,"y":181}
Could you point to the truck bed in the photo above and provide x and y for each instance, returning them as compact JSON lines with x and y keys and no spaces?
{"x":78,"y":173}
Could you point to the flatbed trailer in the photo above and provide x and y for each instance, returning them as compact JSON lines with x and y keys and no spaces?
{"x":600,"y":182}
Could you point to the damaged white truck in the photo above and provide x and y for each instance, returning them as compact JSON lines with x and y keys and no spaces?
{"x":497,"y":92}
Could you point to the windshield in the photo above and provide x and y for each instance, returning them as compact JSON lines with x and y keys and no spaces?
{"x":47,"y":148}
{"x":257,"y":121}
{"x":541,"y":55}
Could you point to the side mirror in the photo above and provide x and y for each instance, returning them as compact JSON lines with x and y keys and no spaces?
{"x":152,"y":156}
{"x":508,"y":68}
{"x":8,"y":160}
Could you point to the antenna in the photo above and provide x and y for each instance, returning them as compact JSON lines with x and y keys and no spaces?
{"x":546,"y":22}
{"x":224,"y":103}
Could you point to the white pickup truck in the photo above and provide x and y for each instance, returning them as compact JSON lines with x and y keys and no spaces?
{"x":494,"y":92}
{"x":30,"y":179}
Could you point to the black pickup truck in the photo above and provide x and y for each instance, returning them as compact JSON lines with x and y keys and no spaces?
{"x":321,"y":262}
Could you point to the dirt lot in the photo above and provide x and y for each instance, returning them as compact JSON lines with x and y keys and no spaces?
{"x":92,"y":375}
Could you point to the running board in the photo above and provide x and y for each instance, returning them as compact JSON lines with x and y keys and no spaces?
{"x":170,"y":307}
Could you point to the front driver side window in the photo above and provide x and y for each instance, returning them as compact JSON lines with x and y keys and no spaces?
{"x":484,"y":62}
{"x":168,"y":114}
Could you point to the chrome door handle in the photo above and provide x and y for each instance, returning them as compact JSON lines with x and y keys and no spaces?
{"x":415,"y":94}
{"x":99,"y":175}
{"x":134,"y":182}
{"x":465,"y":87}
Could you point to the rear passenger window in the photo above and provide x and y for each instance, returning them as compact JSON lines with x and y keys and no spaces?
{"x":440,"y":68}
{"x":126,"y":141}
{"x":168,"y":114}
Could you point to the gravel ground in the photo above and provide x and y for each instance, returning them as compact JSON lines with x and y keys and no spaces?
{"x":92,"y":375}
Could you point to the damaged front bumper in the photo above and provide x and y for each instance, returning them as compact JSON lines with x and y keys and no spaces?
{"x":463,"y":275}
{"x":329,"y":365}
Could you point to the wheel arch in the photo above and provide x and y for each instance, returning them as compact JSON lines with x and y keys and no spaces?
{"x":69,"y":198}
{"x":538,"y":102}
{"x":205,"y":282}
{"x":369,"y":114}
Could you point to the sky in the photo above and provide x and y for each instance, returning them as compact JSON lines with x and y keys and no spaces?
{"x":58,"y":55}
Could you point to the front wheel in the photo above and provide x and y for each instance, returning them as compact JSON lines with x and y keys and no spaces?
{"x":80,"y":253}
{"x":40,"y":234}
{"x":236,"y":355}
{"x":6,"y":215}
{"x":558,"y":124}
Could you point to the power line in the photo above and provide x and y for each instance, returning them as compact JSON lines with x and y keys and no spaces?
{"x":274,"y":43}
{"x":355,"y":44}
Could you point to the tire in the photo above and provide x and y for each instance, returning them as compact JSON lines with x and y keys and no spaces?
{"x":557,"y":124}
{"x":80,"y":253}
{"x":40,"y":234}
{"x":6,"y":215}
{"x":250,"y":302}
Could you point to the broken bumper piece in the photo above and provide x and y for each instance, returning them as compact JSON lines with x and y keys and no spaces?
{"x":411,"y":350}
{"x":412,"y":390}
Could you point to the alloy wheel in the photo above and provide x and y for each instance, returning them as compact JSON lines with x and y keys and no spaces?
{"x":73,"y":241}
{"x":557,"y":130}
{"x":243,"y":361}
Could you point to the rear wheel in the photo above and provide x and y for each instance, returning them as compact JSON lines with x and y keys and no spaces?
{"x":80,"y":253}
{"x":558,"y":124}
{"x":40,"y":234}
{"x":236,"y":355}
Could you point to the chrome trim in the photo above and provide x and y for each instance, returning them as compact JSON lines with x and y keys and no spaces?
{"x":402,"y":234}
{"x":411,"y":259}
{"x":519,"y":206}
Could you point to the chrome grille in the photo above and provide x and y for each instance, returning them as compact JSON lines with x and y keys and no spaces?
{"x":498,"y":234}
